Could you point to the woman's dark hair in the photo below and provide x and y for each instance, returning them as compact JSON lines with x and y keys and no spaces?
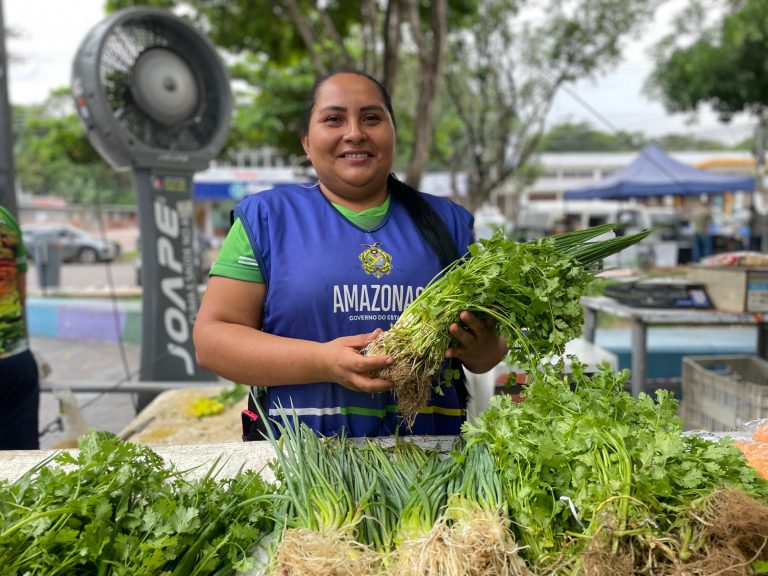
{"x":429,"y":223}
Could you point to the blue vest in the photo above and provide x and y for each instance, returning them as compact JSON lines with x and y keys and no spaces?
{"x":327,"y":278}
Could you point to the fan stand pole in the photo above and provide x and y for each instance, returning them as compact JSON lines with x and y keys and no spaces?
{"x":170,"y":298}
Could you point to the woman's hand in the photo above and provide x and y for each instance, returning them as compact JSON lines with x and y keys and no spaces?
{"x":477,"y":345}
{"x":348,"y":367}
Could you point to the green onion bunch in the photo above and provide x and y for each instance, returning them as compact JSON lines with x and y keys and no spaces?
{"x":427,"y":497}
{"x":326,"y":490}
{"x":531,"y":290}
{"x":475,"y":527}
{"x":351,"y":506}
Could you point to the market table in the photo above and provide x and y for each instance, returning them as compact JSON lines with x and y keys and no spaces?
{"x":195,"y":460}
{"x":642,"y":318}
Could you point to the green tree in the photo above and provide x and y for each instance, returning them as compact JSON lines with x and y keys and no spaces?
{"x":472,"y":80}
{"x":720,"y":64}
{"x":335,"y":34}
{"x":745,"y":144}
{"x":270,"y":108}
{"x":688,"y":142}
{"x":582,"y":136}
{"x":53,"y":156}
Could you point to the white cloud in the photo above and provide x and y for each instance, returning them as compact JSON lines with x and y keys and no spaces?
{"x":616,"y":100}
{"x":49,"y":33}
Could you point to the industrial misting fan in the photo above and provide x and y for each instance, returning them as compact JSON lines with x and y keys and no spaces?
{"x":154,"y":97}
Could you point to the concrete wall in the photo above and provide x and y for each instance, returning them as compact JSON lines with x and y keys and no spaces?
{"x":85,"y":319}
{"x":194,"y":460}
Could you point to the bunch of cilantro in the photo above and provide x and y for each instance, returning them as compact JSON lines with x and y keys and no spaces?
{"x":531,"y":290}
{"x":580,"y":454}
{"x":117,"y":508}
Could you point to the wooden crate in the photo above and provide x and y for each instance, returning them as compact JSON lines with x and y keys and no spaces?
{"x":734,"y":289}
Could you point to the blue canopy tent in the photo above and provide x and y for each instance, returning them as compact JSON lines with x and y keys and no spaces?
{"x":655,"y":173}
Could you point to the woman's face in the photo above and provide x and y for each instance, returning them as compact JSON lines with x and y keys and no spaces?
{"x":351,"y":141}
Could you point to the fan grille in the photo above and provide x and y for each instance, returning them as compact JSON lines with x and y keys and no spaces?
{"x":120,"y":51}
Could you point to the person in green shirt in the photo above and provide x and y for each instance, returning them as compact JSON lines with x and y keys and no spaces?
{"x":19,"y":379}
{"x":274,"y":315}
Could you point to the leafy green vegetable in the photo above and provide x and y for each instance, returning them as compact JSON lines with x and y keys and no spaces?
{"x":117,"y":508}
{"x":579,"y":454}
{"x":531,"y":290}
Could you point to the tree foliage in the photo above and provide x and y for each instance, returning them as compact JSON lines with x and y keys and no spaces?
{"x":472,"y":80}
{"x":269,"y":106}
{"x":583,"y":137}
{"x":363,"y":34}
{"x":688,"y":142}
{"x":721,"y":64}
{"x":54,"y":158}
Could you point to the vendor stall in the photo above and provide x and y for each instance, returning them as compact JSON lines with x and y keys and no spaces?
{"x":642,"y":318}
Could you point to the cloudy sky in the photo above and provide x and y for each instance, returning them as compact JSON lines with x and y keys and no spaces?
{"x":49,"y":32}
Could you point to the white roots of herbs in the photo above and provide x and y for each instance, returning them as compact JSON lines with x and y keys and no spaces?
{"x":305,"y":552}
{"x":481,"y":545}
{"x":412,"y":369}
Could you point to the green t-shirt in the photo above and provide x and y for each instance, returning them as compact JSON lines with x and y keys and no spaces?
{"x":236,"y":259}
{"x":13,"y":261}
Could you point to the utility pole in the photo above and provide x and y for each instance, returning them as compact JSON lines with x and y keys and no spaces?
{"x":760,"y":163}
{"x":759,"y":207}
{"x":7,"y":173}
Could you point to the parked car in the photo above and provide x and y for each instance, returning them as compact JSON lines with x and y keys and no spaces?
{"x":544,"y":217}
{"x":74,"y":244}
{"x":487,"y":219}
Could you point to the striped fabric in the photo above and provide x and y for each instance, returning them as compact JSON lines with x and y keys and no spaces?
{"x":247,"y":261}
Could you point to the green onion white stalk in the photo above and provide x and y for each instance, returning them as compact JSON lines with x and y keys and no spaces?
{"x":322,"y":506}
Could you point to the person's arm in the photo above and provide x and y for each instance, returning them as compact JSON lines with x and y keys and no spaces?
{"x":228,"y":341}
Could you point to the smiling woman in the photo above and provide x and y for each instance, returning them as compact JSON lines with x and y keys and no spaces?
{"x":308,"y":275}
{"x":350,"y":141}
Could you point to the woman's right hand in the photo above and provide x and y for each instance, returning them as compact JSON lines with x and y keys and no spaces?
{"x":348,"y":367}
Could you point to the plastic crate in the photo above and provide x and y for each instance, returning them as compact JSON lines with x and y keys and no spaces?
{"x":721,"y":393}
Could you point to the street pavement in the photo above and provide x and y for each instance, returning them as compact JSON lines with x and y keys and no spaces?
{"x":62,"y":419}
{"x":85,"y":360}
{"x":100,"y":278}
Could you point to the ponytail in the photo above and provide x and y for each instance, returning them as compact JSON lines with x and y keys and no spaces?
{"x":436,"y":234}
{"x":430,"y":224}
